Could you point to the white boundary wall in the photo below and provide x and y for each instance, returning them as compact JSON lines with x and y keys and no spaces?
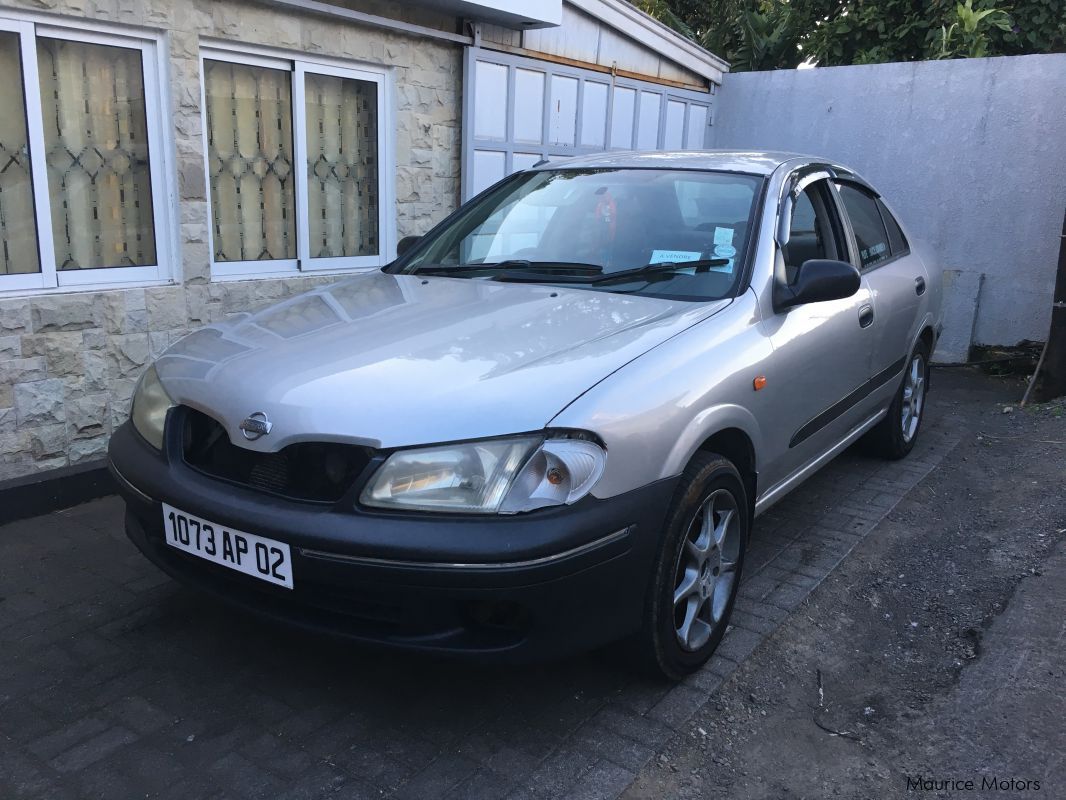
{"x":970,"y":153}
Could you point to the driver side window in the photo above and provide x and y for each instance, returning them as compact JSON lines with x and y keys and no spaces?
{"x":812,"y":233}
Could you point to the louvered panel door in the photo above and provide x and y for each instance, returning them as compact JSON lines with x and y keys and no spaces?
{"x":517,"y":111}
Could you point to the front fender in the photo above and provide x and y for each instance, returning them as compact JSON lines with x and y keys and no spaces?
{"x":655,"y":412}
{"x":705,"y":425}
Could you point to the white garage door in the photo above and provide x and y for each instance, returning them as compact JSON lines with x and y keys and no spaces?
{"x":517,"y":111}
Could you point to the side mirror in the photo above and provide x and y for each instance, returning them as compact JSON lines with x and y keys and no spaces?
{"x":405,"y":244}
{"x":816,"y":281}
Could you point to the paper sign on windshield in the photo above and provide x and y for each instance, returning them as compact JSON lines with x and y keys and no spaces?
{"x":674,"y":256}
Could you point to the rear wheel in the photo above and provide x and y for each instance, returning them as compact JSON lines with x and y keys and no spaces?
{"x":895,"y":435}
{"x":698,"y":568}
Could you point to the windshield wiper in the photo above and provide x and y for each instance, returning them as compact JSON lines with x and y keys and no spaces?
{"x":512,"y":264}
{"x":664,"y":268}
{"x":650,"y":271}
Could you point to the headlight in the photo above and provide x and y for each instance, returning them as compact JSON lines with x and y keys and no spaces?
{"x":150,"y":406}
{"x":503,"y":476}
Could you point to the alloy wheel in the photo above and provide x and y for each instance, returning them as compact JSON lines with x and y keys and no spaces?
{"x":706,"y":570}
{"x":913,"y":397}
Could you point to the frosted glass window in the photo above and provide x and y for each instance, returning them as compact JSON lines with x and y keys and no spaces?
{"x":521,"y":161}
{"x":674,"y":133}
{"x":96,"y":138}
{"x":489,"y":167}
{"x":490,"y":110}
{"x":697,"y":127}
{"x":622,"y":117}
{"x":562,"y":119}
{"x":18,"y":228}
{"x":648,"y":123}
{"x":250,"y":161}
{"x":342,"y":165}
{"x":594,"y":114}
{"x":528,"y":105}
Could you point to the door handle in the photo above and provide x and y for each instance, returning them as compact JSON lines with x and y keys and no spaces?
{"x":919,"y":286}
{"x":866,"y":316}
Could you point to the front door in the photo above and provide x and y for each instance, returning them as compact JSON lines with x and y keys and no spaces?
{"x":821,"y":350}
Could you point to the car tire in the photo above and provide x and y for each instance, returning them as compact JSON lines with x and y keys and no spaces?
{"x":894,"y":436}
{"x":701,"y":555}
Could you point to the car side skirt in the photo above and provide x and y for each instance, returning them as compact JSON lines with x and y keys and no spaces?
{"x":800,"y":475}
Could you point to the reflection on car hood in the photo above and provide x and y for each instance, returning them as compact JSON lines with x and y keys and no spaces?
{"x":394,"y":360}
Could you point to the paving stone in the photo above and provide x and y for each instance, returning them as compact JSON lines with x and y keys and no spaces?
{"x":244,"y":778}
{"x":678,"y":706}
{"x":646,"y":729}
{"x":140,"y":715}
{"x":321,"y":781}
{"x":739,"y":643}
{"x":788,"y":596}
{"x":597,"y":740}
{"x":604,"y":780}
{"x":438,"y":779}
{"x":50,"y":746}
{"x":705,"y":680}
{"x":760,"y":625}
{"x":560,"y":771}
{"x":483,"y":785}
{"x":99,"y":746}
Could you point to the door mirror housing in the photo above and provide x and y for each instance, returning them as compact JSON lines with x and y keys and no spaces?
{"x":818,"y":280}
{"x":405,"y":244}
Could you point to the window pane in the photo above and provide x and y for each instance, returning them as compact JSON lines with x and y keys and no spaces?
{"x":250,"y":158}
{"x":805,"y":234}
{"x":96,"y":135}
{"x":18,"y":229}
{"x":342,"y":166}
{"x":895,"y":234}
{"x":870,"y":233}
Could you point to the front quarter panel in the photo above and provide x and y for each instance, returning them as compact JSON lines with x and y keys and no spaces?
{"x":656,"y":412}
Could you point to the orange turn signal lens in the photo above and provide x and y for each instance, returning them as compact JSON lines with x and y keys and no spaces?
{"x":759,"y":382}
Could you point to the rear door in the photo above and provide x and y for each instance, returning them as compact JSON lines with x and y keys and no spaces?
{"x":897,"y":278}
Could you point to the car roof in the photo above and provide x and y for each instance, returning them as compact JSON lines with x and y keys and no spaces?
{"x":749,"y":161}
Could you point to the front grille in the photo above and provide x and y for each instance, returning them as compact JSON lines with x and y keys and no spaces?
{"x":314,"y":471}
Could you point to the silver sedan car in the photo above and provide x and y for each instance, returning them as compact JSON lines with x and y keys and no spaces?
{"x":551,"y":423}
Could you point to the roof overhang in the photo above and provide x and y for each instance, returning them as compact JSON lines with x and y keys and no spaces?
{"x":518,"y":14}
{"x":651,"y":33}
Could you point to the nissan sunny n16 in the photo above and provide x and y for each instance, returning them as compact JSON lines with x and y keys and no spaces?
{"x":550,"y":423}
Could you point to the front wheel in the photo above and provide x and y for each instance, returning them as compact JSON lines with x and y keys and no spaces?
{"x":698,"y":568}
{"x":895,"y":435}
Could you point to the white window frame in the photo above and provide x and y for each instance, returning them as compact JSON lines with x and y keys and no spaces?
{"x":153,"y":65}
{"x":299,"y":65}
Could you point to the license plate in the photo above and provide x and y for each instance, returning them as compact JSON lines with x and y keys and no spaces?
{"x":262,"y":558}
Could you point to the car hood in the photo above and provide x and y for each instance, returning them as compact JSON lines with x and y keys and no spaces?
{"x":393,"y":360}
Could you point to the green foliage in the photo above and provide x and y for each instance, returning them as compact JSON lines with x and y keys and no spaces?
{"x":967,"y":36}
{"x":771,"y":34}
{"x":766,"y":38}
{"x":661,"y":10}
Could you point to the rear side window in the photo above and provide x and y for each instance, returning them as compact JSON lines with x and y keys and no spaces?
{"x":896,"y":239}
{"x":870,"y":233}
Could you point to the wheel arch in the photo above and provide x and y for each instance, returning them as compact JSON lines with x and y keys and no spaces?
{"x":733,"y":433}
{"x":735,"y":445}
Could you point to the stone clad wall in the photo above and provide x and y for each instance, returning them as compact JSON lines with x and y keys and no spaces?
{"x":69,"y":362}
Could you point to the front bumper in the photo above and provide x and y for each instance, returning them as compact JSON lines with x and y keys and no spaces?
{"x":509,"y":588}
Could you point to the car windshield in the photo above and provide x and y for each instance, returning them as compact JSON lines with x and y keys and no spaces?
{"x":668,"y":233}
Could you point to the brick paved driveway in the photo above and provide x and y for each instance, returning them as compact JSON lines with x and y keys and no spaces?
{"x":115,"y":682}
